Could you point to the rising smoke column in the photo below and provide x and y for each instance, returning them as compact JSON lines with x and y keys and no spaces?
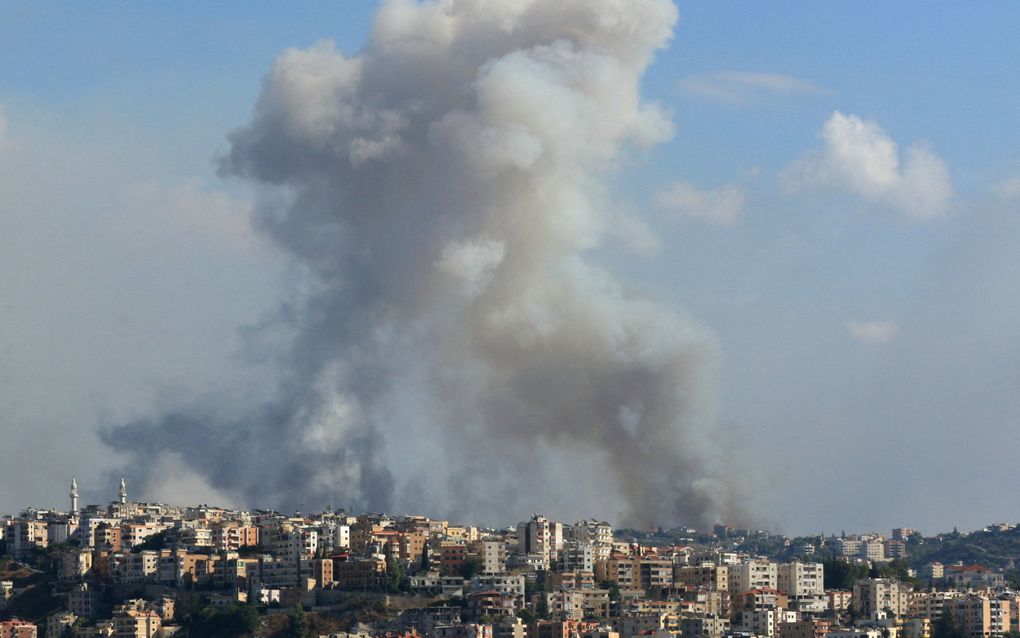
{"x":444,"y":189}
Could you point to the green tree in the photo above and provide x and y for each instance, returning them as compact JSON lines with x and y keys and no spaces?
{"x":946,"y":627}
{"x":396,"y":577}
{"x":425,"y":558}
{"x":614,"y":589}
{"x":155,"y":542}
{"x":842,"y":574}
{"x":298,"y":625}
{"x":472,"y":565}
{"x":226,"y":622}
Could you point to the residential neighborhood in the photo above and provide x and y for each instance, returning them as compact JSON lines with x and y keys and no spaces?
{"x":131,"y":569}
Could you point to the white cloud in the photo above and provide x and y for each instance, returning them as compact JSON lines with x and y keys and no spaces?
{"x":187,"y":210}
{"x":872,"y":332}
{"x":720,"y":205}
{"x":472,"y":263}
{"x":1008,"y":188}
{"x":740,"y":88}
{"x":859,"y":158}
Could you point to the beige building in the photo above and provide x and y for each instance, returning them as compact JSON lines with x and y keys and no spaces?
{"x":874,"y":595}
{"x":57,"y":624}
{"x":929,"y":604}
{"x":704,"y":627}
{"x":815,"y":628}
{"x":753,"y":574}
{"x":805,"y":585}
{"x":973,"y":614}
{"x":18,"y":629}
{"x":135,"y":623}
{"x":705,"y":576}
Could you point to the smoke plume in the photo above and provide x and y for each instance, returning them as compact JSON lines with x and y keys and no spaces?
{"x":458,"y":346}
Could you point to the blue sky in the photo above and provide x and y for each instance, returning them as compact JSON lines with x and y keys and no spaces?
{"x":869,"y":350}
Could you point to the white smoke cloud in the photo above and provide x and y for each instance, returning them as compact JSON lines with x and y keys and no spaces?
{"x":859,"y":158}
{"x":187,"y":210}
{"x":740,"y":88}
{"x":444,"y":187}
{"x":873,"y":332}
{"x":721,"y":205}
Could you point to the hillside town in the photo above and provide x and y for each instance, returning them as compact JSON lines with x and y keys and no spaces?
{"x":146,"y":570}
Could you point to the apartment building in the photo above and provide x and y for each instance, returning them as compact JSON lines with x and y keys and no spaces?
{"x":804,"y":583}
{"x":704,"y":576}
{"x":874,"y":595}
{"x":753,"y":574}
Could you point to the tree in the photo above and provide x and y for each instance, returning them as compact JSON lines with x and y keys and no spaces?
{"x":946,"y":627}
{"x":298,"y":625}
{"x":472,"y":565}
{"x":396,"y":577}
{"x":842,"y":574}
{"x":614,"y":589}
{"x":155,"y":542}
{"x":425,"y":558}
{"x":229,"y":622}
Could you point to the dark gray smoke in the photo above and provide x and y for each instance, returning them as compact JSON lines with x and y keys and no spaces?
{"x":458,"y":347}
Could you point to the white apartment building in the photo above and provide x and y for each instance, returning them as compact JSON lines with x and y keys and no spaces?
{"x":493,"y":555}
{"x":507,"y":584}
{"x":757,"y":573}
{"x":577,"y":556}
{"x":598,"y":533}
{"x":804,"y":583}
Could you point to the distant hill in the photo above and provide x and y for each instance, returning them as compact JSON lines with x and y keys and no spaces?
{"x":993,"y":548}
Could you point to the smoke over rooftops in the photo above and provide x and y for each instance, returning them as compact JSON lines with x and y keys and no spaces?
{"x":443,"y":188}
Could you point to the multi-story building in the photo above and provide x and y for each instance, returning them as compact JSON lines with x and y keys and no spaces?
{"x":805,"y":585}
{"x":26,"y":535}
{"x":972,"y":614}
{"x":705,"y":627}
{"x":895,"y":548}
{"x":364,"y":574}
{"x":972,"y":577}
{"x":578,"y":604}
{"x":134,"y":534}
{"x":230,"y":537}
{"x":452,"y":557}
{"x":753,"y":574}
{"x":576,"y":556}
{"x":598,"y":533}
{"x":17,"y":629}
{"x":83,"y":601}
{"x":873,"y":550}
{"x":507,"y":584}
{"x":875,"y":595}
{"x":57,"y":624}
{"x":136,"y":623}
{"x":704,"y":576}
{"x":759,"y":622}
{"x":814,"y":628}
{"x":540,"y":536}
{"x":493,"y":556}
{"x":635,"y":573}
{"x":290,"y":541}
{"x":929,"y":604}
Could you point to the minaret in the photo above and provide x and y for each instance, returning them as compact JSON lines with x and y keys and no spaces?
{"x":123,"y":492}
{"x":74,"y":497}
